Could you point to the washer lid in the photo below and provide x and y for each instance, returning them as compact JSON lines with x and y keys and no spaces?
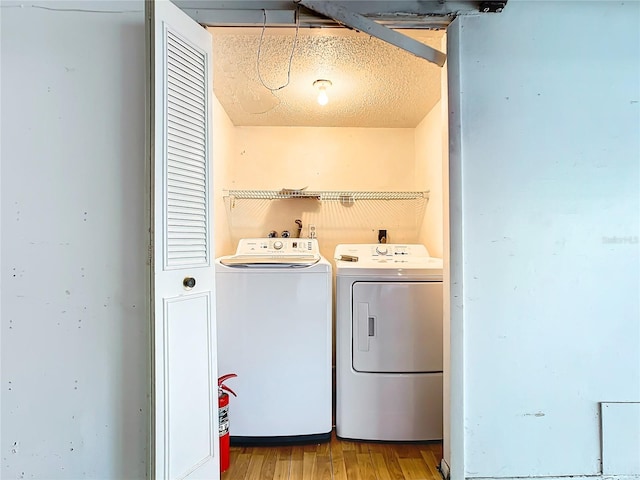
{"x":266,"y":260}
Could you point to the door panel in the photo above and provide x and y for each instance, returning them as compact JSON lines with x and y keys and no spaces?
{"x":185,"y":430}
{"x":189,"y":417}
{"x":397,"y":327}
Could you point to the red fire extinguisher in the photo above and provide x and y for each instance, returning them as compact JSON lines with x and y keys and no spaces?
{"x":223,"y":419}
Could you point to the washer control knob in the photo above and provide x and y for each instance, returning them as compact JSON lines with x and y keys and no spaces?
{"x":382,"y":250}
{"x":277,"y":245}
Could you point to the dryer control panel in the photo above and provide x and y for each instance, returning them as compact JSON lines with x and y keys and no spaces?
{"x":380,"y":251}
{"x":387,"y":257}
{"x":393,"y":250}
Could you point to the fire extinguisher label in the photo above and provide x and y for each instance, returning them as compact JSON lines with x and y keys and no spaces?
{"x":223,"y":420}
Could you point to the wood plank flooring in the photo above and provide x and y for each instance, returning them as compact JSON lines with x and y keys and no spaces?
{"x":337,"y":460}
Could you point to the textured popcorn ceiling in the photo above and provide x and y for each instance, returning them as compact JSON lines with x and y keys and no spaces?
{"x":375,"y":84}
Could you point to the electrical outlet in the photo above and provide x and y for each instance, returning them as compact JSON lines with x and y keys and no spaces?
{"x":312,"y":231}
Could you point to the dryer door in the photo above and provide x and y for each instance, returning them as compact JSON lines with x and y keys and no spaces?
{"x":397,"y":327}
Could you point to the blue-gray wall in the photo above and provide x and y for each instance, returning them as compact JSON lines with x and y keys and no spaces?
{"x":548,"y":103}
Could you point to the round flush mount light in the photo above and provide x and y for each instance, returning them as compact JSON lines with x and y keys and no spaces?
{"x":322,"y":86}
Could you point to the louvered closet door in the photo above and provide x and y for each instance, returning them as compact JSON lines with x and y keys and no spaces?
{"x":185,"y":431}
{"x":186,"y":185}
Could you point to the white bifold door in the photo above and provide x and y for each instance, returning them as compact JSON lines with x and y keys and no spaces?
{"x":184,"y":379}
{"x":397,"y":327}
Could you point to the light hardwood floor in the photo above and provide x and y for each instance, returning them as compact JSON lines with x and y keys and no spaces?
{"x":337,"y":460}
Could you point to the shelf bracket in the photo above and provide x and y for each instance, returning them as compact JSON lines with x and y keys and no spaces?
{"x":346,"y":200}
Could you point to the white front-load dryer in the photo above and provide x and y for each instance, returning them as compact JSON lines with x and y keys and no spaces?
{"x":389,"y":341}
{"x":274,"y":329}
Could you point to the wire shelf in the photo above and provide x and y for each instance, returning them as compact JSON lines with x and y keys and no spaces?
{"x":345,"y":197}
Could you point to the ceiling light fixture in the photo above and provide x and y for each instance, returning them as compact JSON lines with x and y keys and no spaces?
{"x":322,"y":86}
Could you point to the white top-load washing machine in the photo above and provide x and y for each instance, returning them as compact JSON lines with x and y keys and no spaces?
{"x":388,"y":343}
{"x":274,"y":330}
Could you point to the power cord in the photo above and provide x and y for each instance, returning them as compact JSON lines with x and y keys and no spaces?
{"x":295,"y":42}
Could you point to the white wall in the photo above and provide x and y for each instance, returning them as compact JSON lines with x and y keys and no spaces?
{"x":432,"y":142}
{"x":335,"y":159}
{"x":223,"y":139}
{"x":75,"y":330}
{"x":429,"y":152}
{"x":548,"y":107}
{"x":324,"y":158}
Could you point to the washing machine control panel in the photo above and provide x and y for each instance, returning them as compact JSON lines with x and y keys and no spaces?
{"x":278,"y":246}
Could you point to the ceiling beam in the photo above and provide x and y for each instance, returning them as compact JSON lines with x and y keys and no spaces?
{"x":432,"y":14}
{"x":242,"y":18}
{"x":363,"y":7}
{"x":353,"y":20}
